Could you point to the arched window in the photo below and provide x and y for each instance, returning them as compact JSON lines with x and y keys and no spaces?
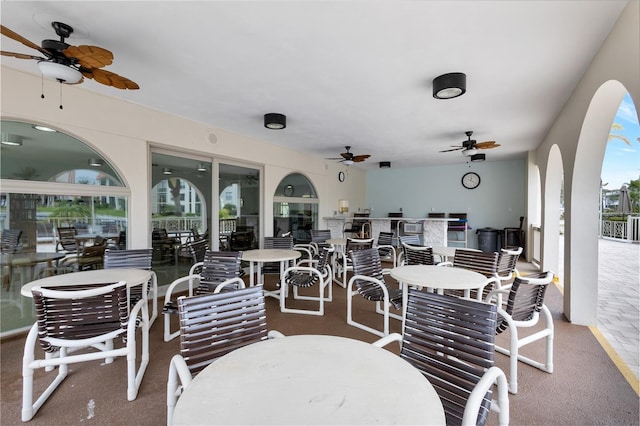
{"x":295,"y":207}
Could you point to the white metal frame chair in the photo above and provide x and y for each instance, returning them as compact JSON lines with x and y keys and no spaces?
{"x":451,"y":341}
{"x":217,"y":268}
{"x":522,"y":310}
{"x":211,"y":326}
{"x":100,"y":315}
{"x":306,"y":276}
{"x":368,"y":280}
{"x":416,"y":255}
{"x":344,"y":261}
{"x":386,"y":249}
{"x":140,"y":259}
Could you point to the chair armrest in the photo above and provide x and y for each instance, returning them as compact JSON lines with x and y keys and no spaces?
{"x":235,"y":281}
{"x":384,"y":341}
{"x":178,"y":281}
{"x":491,"y":376}
{"x":275,"y":334}
{"x":194,"y":268}
{"x":304,"y":248}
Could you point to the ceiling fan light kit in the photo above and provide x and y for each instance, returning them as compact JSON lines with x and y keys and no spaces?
{"x":469,"y":152}
{"x":167,"y":171}
{"x":449,"y":86}
{"x":202,"y":167}
{"x":59,"y":72}
{"x":96,"y":162}
{"x":275,"y":121}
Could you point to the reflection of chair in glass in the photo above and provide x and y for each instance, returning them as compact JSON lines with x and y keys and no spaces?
{"x":66,"y":239}
{"x":99,"y":317}
{"x":451,"y":341}
{"x":522,"y":309}
{"x":164,"y":247}
{"x":197,"y":250}
{"x":139,"y":259}
{"x":300,"y":276}
{"x":10,"y":241}
{"x":91,"y":257}
{"x":241,"y":240}
{"x":369,"y":283}
{"x":343,"y":260}
{"x":217,"y":267}
{"x":212,"y":326}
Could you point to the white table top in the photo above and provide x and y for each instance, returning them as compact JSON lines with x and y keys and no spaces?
{"x":442,"y":277}
{"x":132,"y":276}
{"x":309,"y":379}
{"x":270,"y":255}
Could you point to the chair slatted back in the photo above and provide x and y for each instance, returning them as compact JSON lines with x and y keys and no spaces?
{"x":72,"y":317}
{"x":66,"y":238}
{"x":133,"y":258}
{"x":354,"y":244}
{"x":282,"y":243}
{"x":10,"y":240}
{"x":197,"y":249}
{"x":451,"y":341}
{"x":507,"y":262}
{"x":417,"y":255}
{"x":367,"y":262}
{"x":319,"y":236}
{"x":218,"y":267}
{"x":92,"y":257}
{"x":525,"y":299}
{"x":413,"y":240}
{"x":385,"y":239}
{"x":481,"y":262}
{"x":216,"y":324}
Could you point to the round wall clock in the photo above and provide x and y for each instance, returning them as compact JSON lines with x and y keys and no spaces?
{"x":471,"y":180}
{"x":341,"y":176}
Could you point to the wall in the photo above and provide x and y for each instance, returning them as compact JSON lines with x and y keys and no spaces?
{"x":123,"y":132}
{"x":580,"y":129}
{"x":498,"y":202}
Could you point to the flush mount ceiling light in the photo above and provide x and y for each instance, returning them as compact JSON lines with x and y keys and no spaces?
{"x":59,"y":72}
{"x":202,"y":167}
{"x":96,"y":162}
{"x":470,"y":152}
{"x":9,"y":139}
{"x":43,"y":128}
{"x":448,"y":86}
{"x":478,"y":157}
{"x":167,"y":171}
{"x":275,"y":121}
{"x":385,"y":164}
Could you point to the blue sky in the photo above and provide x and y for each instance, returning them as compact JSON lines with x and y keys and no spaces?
{"x":621,"y":161}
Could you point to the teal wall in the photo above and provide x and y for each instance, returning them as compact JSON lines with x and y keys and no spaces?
{"x":498,"y":202}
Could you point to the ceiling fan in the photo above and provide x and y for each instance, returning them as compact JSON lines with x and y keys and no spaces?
{"x":348,"y":158}
{"x":69,"y":64}
{"x":470,"y":146}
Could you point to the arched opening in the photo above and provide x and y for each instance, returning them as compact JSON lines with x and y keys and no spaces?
{"x":581,"y":277}
{"x":295,"y":207}
{"x":554,"y":214}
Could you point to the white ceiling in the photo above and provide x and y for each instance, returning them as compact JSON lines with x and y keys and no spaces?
{"x":353,"y":73}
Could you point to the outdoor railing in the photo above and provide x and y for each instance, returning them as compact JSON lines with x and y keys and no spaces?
{"x":628,"y":230}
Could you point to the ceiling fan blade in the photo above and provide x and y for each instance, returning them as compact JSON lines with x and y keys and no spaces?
{"x":109,"y":78}
{"x":360,"y":158}
{"x":454,"y":149}
{"x":17,"y":37}
{"x":22,"y":56}
{"x":347,"y":155}
{"x":89,"y":56}
{"x":487,"y":145}
{"x":334,"y":158}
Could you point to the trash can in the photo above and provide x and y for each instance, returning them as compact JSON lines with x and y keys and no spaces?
{"x":487,"y":239}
